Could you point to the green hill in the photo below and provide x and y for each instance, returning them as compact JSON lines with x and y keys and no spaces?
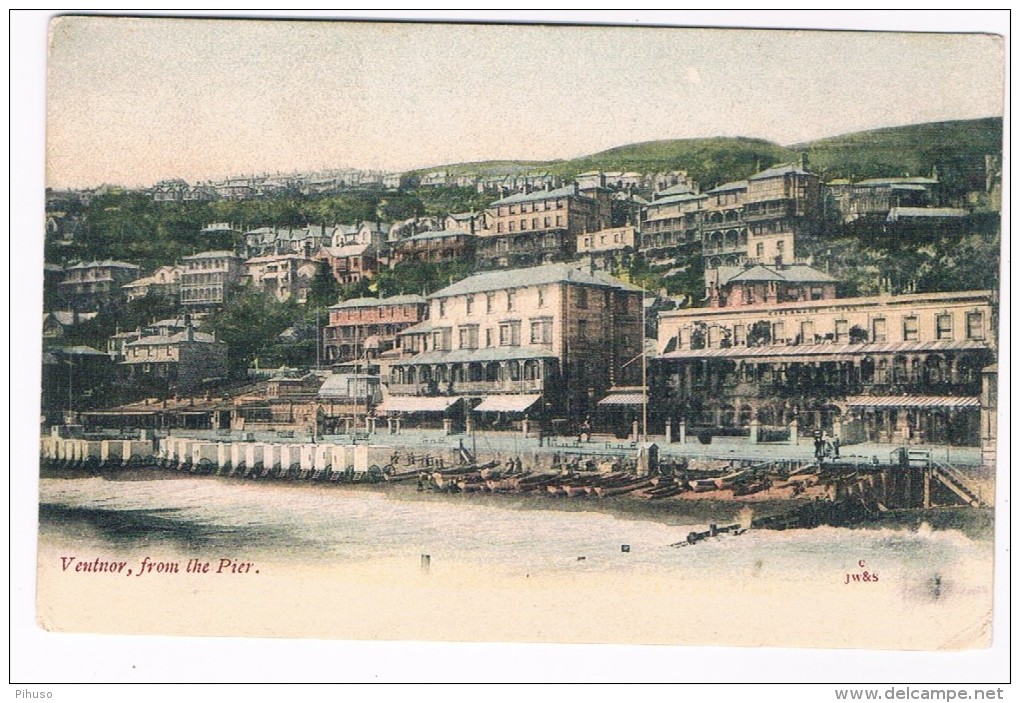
{"x":958,"y":148}
{"x":709,"y":161}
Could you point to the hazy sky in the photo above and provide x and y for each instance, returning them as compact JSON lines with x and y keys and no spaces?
{"x":132,"y":100}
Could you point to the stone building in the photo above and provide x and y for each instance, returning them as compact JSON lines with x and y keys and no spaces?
{"x":207,"y":277}
{"x":184,"y":361}
{"x":882,"y":369}
{"x":284,"y":276}
{"x":540,"y":226}
{"x":96,"y":285}
{"x":369,"y":323}
{"x":442,"y":245}
{"x":547,"y":340}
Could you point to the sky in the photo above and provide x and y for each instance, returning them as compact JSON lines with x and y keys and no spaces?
{"x":134,"y":100}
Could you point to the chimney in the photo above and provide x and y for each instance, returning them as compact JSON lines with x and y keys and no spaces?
{"x":803,"y":161}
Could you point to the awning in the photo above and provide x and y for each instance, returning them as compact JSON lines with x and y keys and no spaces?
{"x":623,"y":399}
{"x":912,"y":401}
{"x":507,"y":403}
{"x":415,"y":404}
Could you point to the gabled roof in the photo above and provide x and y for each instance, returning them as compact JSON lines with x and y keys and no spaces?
{"x":104,"y":264}
{"x":791,"y":273}
{"x":347,"y":250}
{"x":678,"y":189}
{"x":683,"y":198}
{"x":780,"y":170}
{"x":537,"y":275}
{"x":66,"y":317}
{"x":732,"y":185}
{"x":201,"y":337}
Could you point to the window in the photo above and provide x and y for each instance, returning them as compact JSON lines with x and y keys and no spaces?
{"x":807,"y":332}
{"x":547,"y":221}
{"x":759,"y":250}
{"x":499,"y":228}
{"x":582,"y":329}
{"x":488,"y":337}
{"x":534,"y":223}
{"x":778,"y":332}
{"x":441,"y":340}
{"x":944,"y":326}
{"x":442,"y":308}
{"x":739,"y":335}
{"x":470,"y":304}
{"x":541,"y":331}
{"x":513,"y":226}
{"x":713,"y":337}
{"x":582,"y":298}
{"x":490,"y":303}
{"x":842,"y":331}
{"x":510,"y":333}
{"x":878,"y":330}
{"x":541,"y":296}
{"x":910,"y":329}
{"x":559,"y":221}
{"x":469,"y":337}
{"x":975,"y":325}
{"x":510,"y":295}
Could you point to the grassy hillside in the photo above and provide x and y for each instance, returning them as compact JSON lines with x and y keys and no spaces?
{"x":958,"y":148}
{"x":709,"y":161}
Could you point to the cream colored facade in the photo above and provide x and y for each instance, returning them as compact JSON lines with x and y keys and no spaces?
{"x":556,"y":330}
{"x":611,"y":239}
{"x":928,"y":317}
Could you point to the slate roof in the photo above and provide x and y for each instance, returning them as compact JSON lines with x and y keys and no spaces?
{"x":565,"y":192}
{"x":537,"y":275}
{"x":792,"y":273}
{"x":410,"y":299}
{"x":780,"y":170}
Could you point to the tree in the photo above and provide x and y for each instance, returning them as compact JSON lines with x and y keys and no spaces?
{"x":249,"y":323}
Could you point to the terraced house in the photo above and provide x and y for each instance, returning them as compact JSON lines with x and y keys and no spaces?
{"x":546,"y":341}
{"x":541,"y":226}
{"x":781,"y":347}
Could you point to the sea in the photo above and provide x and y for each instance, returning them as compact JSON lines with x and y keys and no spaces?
{"x":469,"y":554}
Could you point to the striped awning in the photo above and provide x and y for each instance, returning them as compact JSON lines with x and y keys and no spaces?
{"x":623,"y":399}
{"x":912,"y":401}
{"x":416,"y":404}
{"x":507,"y":403}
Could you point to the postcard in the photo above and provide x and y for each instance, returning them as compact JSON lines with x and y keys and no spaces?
{"x":536,"y":333}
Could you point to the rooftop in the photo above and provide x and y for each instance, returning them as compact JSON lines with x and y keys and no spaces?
{"x":565,"y":192}
{"x":438,"y":234}
{"x":732,"y":185}
{"x":209,"y":255}
{"x":537,"y":275}
{"x":780,"y":170}
{"x":410,"y":299}
{"x":151,"y":340}
{"x":790,"y":273}
{"x":108,"y":263}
